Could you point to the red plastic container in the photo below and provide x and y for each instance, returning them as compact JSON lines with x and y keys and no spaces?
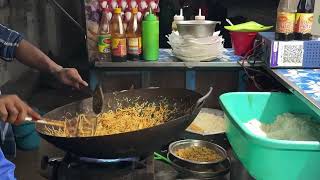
{"x":242,"y":42}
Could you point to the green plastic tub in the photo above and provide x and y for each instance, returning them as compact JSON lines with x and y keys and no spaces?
{"x":265,"y":158}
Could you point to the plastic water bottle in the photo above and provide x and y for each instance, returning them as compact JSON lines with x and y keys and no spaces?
{"x":150,"y":37}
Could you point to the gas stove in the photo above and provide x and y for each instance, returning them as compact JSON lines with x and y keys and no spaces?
{"x":71,"y":167}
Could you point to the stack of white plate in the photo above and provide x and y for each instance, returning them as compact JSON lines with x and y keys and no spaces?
{"x":192,"y":49}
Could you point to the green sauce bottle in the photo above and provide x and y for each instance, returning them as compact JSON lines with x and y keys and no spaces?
{"x":150,"y":37}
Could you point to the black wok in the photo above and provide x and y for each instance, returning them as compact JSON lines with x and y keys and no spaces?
{"x":130,"y":144}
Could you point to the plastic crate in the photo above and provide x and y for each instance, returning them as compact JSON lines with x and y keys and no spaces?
{"x":265,"y":158}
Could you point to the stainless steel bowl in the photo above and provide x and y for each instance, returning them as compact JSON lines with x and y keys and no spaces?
{"x":217,"y":171}
{"x":195,"y":165}
{"x":196,"y":29}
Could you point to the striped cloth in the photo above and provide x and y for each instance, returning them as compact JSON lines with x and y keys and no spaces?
{"x":9,"y":41}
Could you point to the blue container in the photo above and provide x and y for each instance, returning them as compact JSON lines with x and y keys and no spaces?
{"x":23,"y":129}
{"x":29,"y":142}
{"x":26,"y":136}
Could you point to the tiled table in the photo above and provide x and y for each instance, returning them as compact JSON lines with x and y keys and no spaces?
{"x":304,"y":83}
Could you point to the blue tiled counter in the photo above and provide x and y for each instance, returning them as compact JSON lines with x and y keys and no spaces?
{"x":304,"y":83}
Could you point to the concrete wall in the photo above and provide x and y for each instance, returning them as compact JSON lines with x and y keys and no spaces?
{"x":22,"y":17}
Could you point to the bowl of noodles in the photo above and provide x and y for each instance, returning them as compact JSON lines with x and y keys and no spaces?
{"x":122,"y":120}
{"x":197,"y":154}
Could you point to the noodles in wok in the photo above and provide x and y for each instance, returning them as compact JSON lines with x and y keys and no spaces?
{"x":121,"y":120}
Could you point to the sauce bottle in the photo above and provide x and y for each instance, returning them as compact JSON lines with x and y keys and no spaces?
{"x":104,"y":37}
{"x":150,"y":37}
{"x":118,"y":36}
{"x":285,"y":20}
{"x":177,"y":18}
{"x":200,"y":17}
{"x":304,"y":20}
{"x":134,"y":43}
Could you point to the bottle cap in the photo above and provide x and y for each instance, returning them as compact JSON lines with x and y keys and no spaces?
{"x":135,"y":10}
{"x":106,"y":10}
{"x":117,"y":10}
{"x":179,"y":17}
{"x":200,"y":17}
{"x":151,"y":16}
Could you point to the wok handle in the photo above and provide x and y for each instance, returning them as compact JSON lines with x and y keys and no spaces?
{"x":202,"y":100}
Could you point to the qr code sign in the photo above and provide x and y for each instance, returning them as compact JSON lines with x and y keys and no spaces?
{"x":290,"y":53}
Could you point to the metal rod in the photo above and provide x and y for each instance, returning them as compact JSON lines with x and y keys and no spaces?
{"x":241,"y":82}
{"x":58,"y":6}
{"x":190,"y":80}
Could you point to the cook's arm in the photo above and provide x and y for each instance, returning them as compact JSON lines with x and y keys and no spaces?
{"x":33,"y":57}
{"x":13,"y":46}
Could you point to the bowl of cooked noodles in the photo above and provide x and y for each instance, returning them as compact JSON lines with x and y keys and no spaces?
{"x":122,"y":120}
{"x":197,"y":154}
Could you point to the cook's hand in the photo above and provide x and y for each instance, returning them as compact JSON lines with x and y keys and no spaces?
{"x":71,"y":77}
{"x":14,"y":110}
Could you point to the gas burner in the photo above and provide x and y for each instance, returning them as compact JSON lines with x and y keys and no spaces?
{"x":75,"y":159}
{"x":71,"y":167}
{"x":93,"y":160}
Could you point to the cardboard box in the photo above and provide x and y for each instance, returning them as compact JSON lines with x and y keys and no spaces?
{"x":289,"y":54}
{"x":316,"y":19}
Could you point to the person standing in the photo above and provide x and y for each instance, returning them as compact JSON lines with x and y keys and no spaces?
{"x":12,"y":109}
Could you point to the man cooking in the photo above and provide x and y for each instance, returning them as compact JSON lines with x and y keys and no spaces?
{"x":12,"y":109}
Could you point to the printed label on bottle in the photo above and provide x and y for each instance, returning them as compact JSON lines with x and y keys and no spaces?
{"x":104,"y":43}
{"x":285,"y":22}
{"x":119,"y":47}
{"x":304,"y":23}
{"x":134,"y":46}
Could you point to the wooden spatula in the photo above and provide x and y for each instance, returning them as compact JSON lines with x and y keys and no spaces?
{"x":46,"y":122}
